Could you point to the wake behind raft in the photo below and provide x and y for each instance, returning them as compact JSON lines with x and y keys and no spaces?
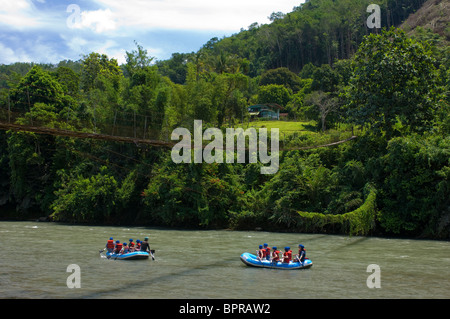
{"x":254,"y":261}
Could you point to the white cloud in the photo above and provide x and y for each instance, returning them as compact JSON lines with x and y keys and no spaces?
{"x":76,"y":44}
{"x":43,"y":51}
{"x":113,"y":15}
{"x":44,"y":30}
{"x":231,"y":15}
{"x":19,"y":14}
{"x":99,"y":20}
{"x":9,"y":55}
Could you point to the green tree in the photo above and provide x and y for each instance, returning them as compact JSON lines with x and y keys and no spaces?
{"x":228,"y":97}
{"x":69,"y":80}
{"x":137,"y":60}
{"x":325,"y":79}
{"x":199,"y":97}
{"x":97,"y":198}
{"x":394,"y":79}
{"x":302,"y":184}
{"x":4,"y":170}
{"x":144,"y":92}
{"x":175,"y":68}
{"x":274,"y":93}
{"x":98,"y":68}
{"x":31,"y":170}
{"x":193,"y":195}
{"x":281,"y":76}
{"x":37,"y":86}
{"x":415,"y":190}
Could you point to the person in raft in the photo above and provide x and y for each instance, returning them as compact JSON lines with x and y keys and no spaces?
{"x":145,"y":246}
{"x":267,"y":251}
{"x":110,"y":245}
{"x":275,"y":255}
{"x":287,"y":255}
{"x":138,"y":245}
{"x":261,"y":252}
{"x":131,"y":245}
{"x":125,"y":249}
{"x":118,"y":247}
{"x":301,"y":254}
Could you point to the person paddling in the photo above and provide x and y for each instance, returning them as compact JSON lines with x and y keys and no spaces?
{"x":301,"y":254}
{"x":110,"y":245}
{"x":118,"y":247}
{"x":145,"y":247}
{"x":261,"y":252}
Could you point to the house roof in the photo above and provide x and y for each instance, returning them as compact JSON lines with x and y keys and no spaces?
{"x":270,"y":105}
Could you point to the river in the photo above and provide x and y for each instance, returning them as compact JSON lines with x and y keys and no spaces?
{"x":206,"y":265}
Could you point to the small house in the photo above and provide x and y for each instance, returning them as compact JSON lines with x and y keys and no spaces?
{"x":265,"y":111}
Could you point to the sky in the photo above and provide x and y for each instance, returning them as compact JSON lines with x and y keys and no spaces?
{"x":49,"y":31}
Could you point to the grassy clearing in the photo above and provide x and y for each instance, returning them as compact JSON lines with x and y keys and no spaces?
{"x":303,"y":133}
{"x":285,"y":126}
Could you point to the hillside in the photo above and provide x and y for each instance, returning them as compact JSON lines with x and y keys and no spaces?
{"x":317,"y":32}
{"x":433,"y":15}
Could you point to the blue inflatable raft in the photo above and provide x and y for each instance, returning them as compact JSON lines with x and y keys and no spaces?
{"x":129,"y":256}
{"x":253,"y":261}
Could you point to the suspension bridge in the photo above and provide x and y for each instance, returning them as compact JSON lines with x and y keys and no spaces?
{"x":136,"y":133}
{"x":112,"y":125}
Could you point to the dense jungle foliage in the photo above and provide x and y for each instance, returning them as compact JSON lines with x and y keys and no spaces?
{"x":320,"y":62}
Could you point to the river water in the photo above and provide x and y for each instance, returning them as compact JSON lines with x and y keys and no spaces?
{"x":206,"y":265}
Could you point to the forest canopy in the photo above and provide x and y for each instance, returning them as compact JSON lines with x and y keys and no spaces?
{"x":331,"y":74}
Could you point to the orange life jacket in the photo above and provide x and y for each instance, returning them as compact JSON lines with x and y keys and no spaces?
{"x":275,"y":255}
{"x":261,"y":253}
{"x":287,"y":256}
{"x":118,"y":248}
{"x":110,"y":244}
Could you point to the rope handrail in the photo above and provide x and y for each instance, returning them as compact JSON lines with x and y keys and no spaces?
{"x":67,"y":133}
{"x":97,"y":136}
